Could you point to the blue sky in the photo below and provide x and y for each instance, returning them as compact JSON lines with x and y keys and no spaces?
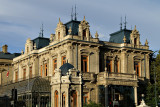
{"x":22,"y":19}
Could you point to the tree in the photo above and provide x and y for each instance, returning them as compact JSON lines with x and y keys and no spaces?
{"x":153,"y":87}
{"x":92,"y":104}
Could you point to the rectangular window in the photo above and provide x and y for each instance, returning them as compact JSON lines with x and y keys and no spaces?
{"x":16,"y":76}
{"x":85,"y":97}
{"x":84,"y":63}
{"x":63,"y":60}
{"x":30,"y":72}
{"x":109,"y":65}
{"x":54,"y":64}
{"x":116,"y":66}
{"x":137,"y":68}
{"x":63,"y":100}
{"x":58,"y":35}
{"x":41,"y":70}
{"x":46,"y":70}
{"x":24,"y":74}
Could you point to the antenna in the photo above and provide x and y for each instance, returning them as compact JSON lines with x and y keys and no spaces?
{"x":72,"y":14}
{"x":75,"y":14}
{"x":121,"y":24}
{"x":125,"y":23}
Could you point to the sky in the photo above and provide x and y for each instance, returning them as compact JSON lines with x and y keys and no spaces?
{"x":22,"y":19}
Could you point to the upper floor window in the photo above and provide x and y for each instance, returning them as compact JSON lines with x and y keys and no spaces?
{"x":74,"y":99}
{"x":109,"y":65}
{"x":46,"y":70}
{"x":116,"y":65}
{"x":85,"y":97}
{"x":54,"y":64}
{"x":56,"y":98}
{"x":137,"y":68}
{"x":24,"y":74}
{"x":16,"y":76}
{"x":63,"y":100}
{"x":30,"y":72}
{"x":84,"y":63}
{"x":41,"y":70}
{"x":63,"y":60}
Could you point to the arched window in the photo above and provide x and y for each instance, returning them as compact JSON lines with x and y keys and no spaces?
{"x":63,"y":100}
{"x":74,"y":99}
{"x":56,"y":98}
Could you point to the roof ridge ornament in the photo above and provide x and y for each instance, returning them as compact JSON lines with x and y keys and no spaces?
{"x":84,"y":19}
{"x":125,"y":23}
{"x":124,"y":39}
{"x":75,"y":14}
{"x":72,"y":13}
{"x":41,"y":31}
{"x":121,"y":24}
{"x":146,"y":42}
{"x":96,"y":35}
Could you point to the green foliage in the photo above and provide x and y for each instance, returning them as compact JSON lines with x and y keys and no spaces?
{"x":92,"y":104}
{"x":150,"y":93}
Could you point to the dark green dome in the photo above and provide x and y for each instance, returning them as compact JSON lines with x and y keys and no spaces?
{"x":65,"y":67}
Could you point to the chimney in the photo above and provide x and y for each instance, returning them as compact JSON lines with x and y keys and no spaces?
{"x":4,"y":48}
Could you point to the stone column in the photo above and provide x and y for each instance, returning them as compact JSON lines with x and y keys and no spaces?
{"x":106,"y":95}
{"x":135,"y":96}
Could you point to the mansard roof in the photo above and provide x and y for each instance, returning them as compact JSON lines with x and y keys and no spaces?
{"x":41,"y":42}
{"x":8,"y":55}
{"x":117,"y":37}
{"x":74,"y":26}
{"x":65,"y":67}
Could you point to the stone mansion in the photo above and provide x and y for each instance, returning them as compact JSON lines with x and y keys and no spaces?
{"x":72,"y":68}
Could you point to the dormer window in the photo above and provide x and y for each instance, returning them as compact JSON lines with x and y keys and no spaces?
{"x":84,"y":33}
{"x":27,"y":49}
{"x":135,"y":41}
{"x":58,"y":35}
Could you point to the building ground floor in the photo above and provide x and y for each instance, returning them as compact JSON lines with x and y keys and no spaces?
{"x":37,"y":92}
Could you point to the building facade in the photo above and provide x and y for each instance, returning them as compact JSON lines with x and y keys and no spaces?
{"x":81,"y":68}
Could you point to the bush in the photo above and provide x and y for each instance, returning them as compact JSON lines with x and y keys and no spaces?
{"x":92,"y":104}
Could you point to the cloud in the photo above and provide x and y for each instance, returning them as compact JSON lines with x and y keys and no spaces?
{"x":20,"y":19}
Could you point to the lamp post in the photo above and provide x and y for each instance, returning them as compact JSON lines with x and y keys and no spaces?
{"x":155,"y":86}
